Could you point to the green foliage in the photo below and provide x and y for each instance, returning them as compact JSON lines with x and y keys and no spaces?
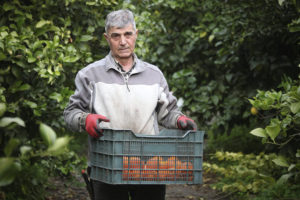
{"x":244,"y":173}
{"x":249,"y":176}
{"x":237,"y":141}
{"x":276,"y":191}
{"x":216,"y":54}
{"x":21,"y":168}
{"x":30,"y":182}
{"x":42,"y":46}
{"x":280,"y":110}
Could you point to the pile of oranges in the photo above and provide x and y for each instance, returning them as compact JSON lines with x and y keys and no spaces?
{"x":156,"y":168}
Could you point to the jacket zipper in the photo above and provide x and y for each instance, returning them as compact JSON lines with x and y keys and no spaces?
{"x":126,"y":77}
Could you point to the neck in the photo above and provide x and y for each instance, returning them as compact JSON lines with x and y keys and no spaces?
{"x":125,"y":63}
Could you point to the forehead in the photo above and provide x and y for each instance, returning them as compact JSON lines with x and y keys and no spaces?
{"x":128,"y":28}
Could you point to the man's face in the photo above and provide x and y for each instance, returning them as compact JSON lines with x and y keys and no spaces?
{"x":121,"y":41}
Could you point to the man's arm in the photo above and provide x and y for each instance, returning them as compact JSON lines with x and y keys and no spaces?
{"x":167,"y":109}
{"x":77,"y":114}
{"x":78,"y":108}
{"x":169,"y":115}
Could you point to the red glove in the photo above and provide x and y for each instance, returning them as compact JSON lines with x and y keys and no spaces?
{"x":185,"y":123}
{"x":91,"y":124}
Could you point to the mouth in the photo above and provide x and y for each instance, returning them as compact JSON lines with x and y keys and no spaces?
{"x":123,"y":49}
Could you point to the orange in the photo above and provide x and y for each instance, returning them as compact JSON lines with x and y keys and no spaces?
{"x":130,"y":168}
{"x":163,"y":164}
{"x":254,"y":111}
{"x":134,"y":162}
{"x":125,"y":162}
{"x":134,"y":174}
{"x":189,"y":170}
{"x":152,"y":167}
{"x":154,"y":162}
{"x":125,"y":166}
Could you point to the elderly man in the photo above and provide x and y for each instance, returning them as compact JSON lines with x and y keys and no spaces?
{"x":123,"y":92}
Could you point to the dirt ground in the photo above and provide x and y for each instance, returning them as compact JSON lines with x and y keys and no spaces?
{"x":60,"y":189}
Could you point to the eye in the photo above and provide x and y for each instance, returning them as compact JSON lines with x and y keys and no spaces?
{"x":128,"y":34}
{"x":115,"y":36}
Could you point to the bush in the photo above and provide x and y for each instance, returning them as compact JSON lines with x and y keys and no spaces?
{"x":246,"y":176}
{"x":279,"y":191}
{"x":238,"y":140}
{"x":42,"y":46}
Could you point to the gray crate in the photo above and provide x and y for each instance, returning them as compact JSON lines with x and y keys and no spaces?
{"x":172,"y":157}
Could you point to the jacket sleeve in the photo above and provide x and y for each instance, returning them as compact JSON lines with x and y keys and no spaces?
{"x":79,"y":104}
{"x":167,"y":109}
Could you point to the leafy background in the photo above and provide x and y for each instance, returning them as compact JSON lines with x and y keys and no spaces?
{"x":221,"y":59}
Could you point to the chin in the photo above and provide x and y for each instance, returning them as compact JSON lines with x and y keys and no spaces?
{"x":127,"y":55}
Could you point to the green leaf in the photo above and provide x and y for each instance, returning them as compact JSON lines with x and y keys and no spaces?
{"x":260,"y":132}
{"x":5,"y":121}
{"x":215,"y":99}
{"x":280,"y":2}
{"x":56,"y":40}
{"x":56,"y":96}
{"x":211,"y":38}
{"x":31,"y":59}
{"x":24,"y":87}
{"x":42,"y":23}
{"x":59,"y":145}
{"x":2,"y":56}
{"x":295,"y":107}
{"x":4,"y":71}
{"x":24,"y":149}
{"x":17,"y":86}
{"x":11,"y":146}
{"x":21,"y":64}
{"x":8,"y":170}
{"x":284,"y":178}
{"x":273,"y":130}
{"x":203,"y":34}
{"x":37,"y":44}
{"x":3,"y":34}
{"x":291,"y":167}
{"x":30,"y":104}
{"x":298,"y":153}
{"x":85,"y":38}
{"x":70,"y":59}
{"x":2,"y":109}
{"x":281,"y":161}
{"x":8,"y":6}
{"x":2,"y":46}
{"x":48,"y":134}
{"x":90,"y":3}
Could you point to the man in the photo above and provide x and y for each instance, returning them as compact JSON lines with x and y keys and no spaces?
{"x":123,"y":92}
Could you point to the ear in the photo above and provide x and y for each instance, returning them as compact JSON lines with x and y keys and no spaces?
{"x":137,"y":32}
{"x":106,"y":37}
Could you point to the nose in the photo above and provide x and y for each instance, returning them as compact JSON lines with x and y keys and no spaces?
{"x":123,"y":40}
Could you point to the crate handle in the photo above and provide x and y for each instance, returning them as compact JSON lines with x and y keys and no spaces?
{"x":164,"y":136}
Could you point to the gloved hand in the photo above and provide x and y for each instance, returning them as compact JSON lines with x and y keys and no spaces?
{"x":91,"y":122}
{"x":185,"y":123}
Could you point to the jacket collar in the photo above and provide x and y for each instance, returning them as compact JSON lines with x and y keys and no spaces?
{"x":110,"y":63}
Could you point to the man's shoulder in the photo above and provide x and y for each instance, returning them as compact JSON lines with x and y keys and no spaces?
{"x":151,"y":67}
{"x":91,"y":67}
{"x":95,"y":64}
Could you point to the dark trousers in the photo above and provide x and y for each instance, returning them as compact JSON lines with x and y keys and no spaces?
{"x":105,"y":191}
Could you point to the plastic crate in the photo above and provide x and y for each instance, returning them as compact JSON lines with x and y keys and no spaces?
{"x":171,"y":157}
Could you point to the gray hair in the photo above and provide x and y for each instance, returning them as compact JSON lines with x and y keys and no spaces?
{"x":119,"y":19}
